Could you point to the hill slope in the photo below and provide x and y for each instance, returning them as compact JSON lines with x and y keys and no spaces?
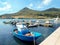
{"x":29,"y":13}
{"x":53,"y":9}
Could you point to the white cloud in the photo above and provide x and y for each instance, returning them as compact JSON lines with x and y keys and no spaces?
{"x":30,"y":5}
{"x":44,"y":3}
{"x":6,"y":6}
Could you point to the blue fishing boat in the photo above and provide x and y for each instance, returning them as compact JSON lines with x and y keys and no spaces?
{"x":24,"y":34}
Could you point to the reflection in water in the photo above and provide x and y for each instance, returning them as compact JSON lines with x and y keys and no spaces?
{"x":40,"y":39}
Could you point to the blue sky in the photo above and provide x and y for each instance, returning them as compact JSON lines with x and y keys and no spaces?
{"x":12,"y":6}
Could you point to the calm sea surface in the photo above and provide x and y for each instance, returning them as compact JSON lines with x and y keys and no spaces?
{"x":7,"y":38}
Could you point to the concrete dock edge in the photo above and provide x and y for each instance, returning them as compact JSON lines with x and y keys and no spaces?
{"x":53,"y":39}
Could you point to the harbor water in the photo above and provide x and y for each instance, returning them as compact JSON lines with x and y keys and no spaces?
{"x":7,"y":38}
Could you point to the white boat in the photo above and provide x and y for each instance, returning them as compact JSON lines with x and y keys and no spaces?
{"x":56,"y":20}
{"x":47,"y":22}
{"x":37,"y":22}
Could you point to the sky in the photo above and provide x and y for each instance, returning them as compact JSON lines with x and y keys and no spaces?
{"x":13,"y":6}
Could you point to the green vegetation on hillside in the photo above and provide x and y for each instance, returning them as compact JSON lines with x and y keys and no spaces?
{"x":29,"y":13}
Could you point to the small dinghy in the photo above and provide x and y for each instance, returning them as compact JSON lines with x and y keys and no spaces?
{"x":24,"y":34}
